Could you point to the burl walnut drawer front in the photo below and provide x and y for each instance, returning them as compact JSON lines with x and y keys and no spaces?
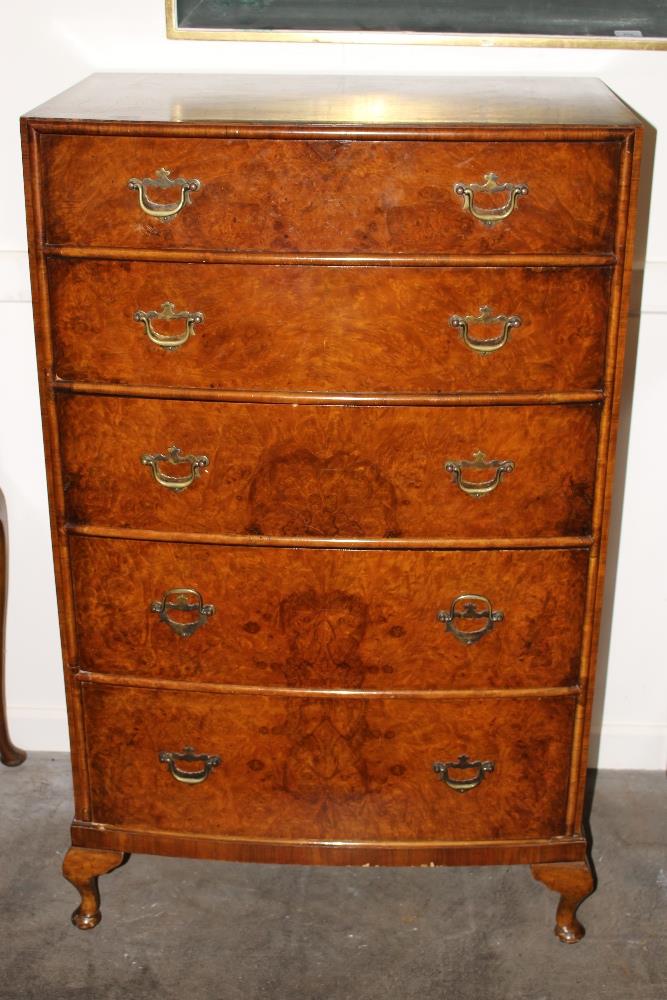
{"x":329,"y":471}
{"x":323,"y":618}
{"x":330,"y":195}
{"x":343,"y":329}
{"x":354,"y":769}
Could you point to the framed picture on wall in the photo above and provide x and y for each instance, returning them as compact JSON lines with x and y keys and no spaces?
{"x":580,"y":23}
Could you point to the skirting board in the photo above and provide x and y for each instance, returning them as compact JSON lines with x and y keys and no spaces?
{"x":43,"y":728}
{"x":14,"y":276}
{"x":620,"y":747}
{"x":614,"y":747}
{"x":15,"y":282}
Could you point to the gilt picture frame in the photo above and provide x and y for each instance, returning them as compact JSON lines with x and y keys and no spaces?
{"x":606,"y":24}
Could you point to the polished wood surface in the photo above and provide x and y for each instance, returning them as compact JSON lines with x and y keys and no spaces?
{"x":303,"y":852}
{"x":574,"y":881}
{"x":317,"y":542}
{"x":301,"y":196}
{"x":82,"y":867}
{"x":329,"y":618}
{"x":369,"y":102}
{"x":10,"y":755}
{"x":324,"y":385}
{"x":339,"y":472}
{"x":358,"y":769}
{"x":384,"y":329}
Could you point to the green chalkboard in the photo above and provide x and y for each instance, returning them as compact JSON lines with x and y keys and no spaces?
{"x":582,"y":19}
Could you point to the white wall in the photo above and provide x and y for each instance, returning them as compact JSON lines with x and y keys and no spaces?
{"x":49,"y":45}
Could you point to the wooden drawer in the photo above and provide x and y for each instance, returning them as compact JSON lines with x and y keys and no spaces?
{"x":357,"y":769}
{"x":344,"y":329}
{"x":329,"y":471}
{"x":340,"y":196}
{"x":323,"y":618}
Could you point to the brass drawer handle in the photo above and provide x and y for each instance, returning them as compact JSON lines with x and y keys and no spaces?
{"x":163,"y":181}
{"x":489,"y":216}
{"x":187,"y":600}
{"x":481,"y":767}
{"x":170,"y":757}
{"x":174,"y":456}
{"x":167,"y":312}
{"x":485,"y":318}
{"x":466,"y":607}
{"x":479,"y":461}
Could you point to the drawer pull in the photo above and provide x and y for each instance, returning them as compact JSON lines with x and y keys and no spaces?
{"x":167,"y":312}
{"x":189,"y":777}
{"x":481,"y":767}
{"x":466,"y":607}
{"x":485,"y":318}
{"x":174,"y":457}
{"x":489,"y":216}
{"x":479,"y":461}
{"x":163,"y":181}
{"x":187,"y":600}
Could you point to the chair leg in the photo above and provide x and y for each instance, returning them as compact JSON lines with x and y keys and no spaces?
{"x":10,"y":755}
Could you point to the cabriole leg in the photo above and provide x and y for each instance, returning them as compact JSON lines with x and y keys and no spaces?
{"x":10,"y":755}
{"x":574,"y":881}
{"x":82,"y":867}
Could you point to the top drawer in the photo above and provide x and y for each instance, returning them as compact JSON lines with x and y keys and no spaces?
{"x":330,"y":195}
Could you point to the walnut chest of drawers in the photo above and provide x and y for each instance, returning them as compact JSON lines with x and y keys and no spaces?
{"x":329,"y":374}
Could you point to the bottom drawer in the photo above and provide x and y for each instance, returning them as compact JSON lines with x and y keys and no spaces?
{"x":328,"y":768}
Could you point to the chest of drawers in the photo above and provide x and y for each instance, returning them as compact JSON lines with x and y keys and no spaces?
{"x":329,"y":373}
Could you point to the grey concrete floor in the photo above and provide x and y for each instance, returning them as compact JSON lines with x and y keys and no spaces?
{"x":196,"y":930}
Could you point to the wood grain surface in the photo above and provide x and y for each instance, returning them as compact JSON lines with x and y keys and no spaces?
{"x":424,"y":853}
{"x":327,"y":618}
{"x":302,"y":768}
{"x":574,"y":882}
{"x":354,"y":329}
{"x":328,"y":249}
{"x":175,"y":101}
{"x":83,"y":867}
{"x":329,"y":471}
{"x":349,"y":196}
